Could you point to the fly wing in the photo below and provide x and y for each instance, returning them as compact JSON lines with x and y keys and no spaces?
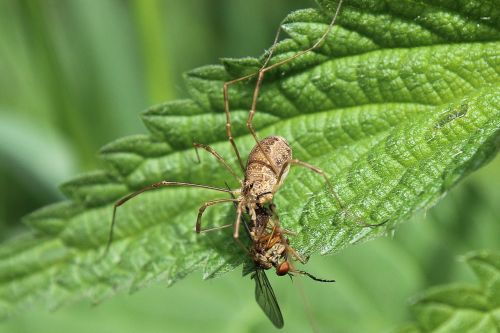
{"x":264,"y":295}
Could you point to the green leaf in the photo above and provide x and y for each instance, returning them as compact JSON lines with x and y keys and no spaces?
{"x":399,"y":104}
{"x":462,"y":307}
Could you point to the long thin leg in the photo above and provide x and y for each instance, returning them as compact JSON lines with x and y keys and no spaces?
{"x":239,"y":211}
{"x":148,"y":188}
{"x":218,"y":157}
{"x":228,"y":116}
{"x":216,"y":228}
{"x":332,"y":191}
{"x":245,"y":224}
{"x":226,"y":97}
{"x":315,"y":169}
{"x":208,"y":204}
{"x":260,"y":78}
{"x":288,"y":232}
{"x":236,"y":233}
{"x":294,"y":253}
{"x":307,"y":307}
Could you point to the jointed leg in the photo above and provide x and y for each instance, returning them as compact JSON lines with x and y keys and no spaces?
{"x":216,"y":228}
{"x":294,"y":254}
{"x":228,"y":116}
{"x":163,"y":183}
{"x":315,"y":169}
{"x":311,"y":276}
{"x":217,"y":156}
{"x":239,"y":210}
{"x":260,"y":78}
{"x":202,"y":210}
{"x":220,"y":227}
{"x":226,"y":97}
{"x":332,"y":191}
{"x":276,"y":220}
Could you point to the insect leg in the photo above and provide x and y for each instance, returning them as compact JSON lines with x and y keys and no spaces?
{"x":294,"y":254}
{"x":218,"y":157}
{"x":239,"y":210}
{"x":202,"y":210}
{"x":332,"y":191}
{"x":228,"y":116}
{"x":216,"y":228}
{"x":265,"y":69}
{"x":226,"y":98}
{"x":315,"y":169}
{"x":163,"y":183}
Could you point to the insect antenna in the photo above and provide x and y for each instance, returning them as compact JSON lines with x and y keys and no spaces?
{"x":312,"y":276}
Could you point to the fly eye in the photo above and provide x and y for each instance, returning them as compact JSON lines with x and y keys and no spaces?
{"x":283,"y":268}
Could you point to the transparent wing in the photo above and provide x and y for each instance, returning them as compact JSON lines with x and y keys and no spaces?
{"x":264,"y":295}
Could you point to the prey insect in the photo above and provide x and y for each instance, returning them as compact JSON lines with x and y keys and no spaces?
{"x":270,"y":248}
{"x":267,"y":165}
{"x":264,"y":293}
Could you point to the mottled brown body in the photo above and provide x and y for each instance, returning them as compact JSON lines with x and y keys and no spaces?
{"x":263,"y":179}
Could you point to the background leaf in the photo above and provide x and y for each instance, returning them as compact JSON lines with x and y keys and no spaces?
{"x":462,"y":307}
{"x":140,"y":160}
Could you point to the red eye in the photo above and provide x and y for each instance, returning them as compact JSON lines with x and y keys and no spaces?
{"x":283,"y":268}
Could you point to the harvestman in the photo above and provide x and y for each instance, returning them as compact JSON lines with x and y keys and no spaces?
{"x":267,"y":165}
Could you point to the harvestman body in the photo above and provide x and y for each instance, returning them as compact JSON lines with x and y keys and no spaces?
{"x":267,"y":165}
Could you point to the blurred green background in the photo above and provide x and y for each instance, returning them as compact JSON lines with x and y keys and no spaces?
{"x":75,"y":74}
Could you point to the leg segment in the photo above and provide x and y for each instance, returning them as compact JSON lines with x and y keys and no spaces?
{"x":294,"y":254}
{"x":163,"y":183}
{"x":202,"y":210}
{"x":228,"y":116}
{"x":315,"y":169}
{"x":218,"y":157}
{"x":265,"y":69}
{"x":226,"y":98}
{"x":216,"y":228}
{"x":239,"y":209}
{"x":334,"y":194}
